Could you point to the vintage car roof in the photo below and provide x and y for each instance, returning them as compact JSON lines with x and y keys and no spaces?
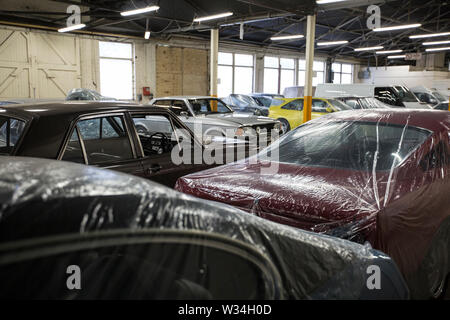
{"x":185,"y":97}
{"x":41,"y":198}
{"x":433,"y":120}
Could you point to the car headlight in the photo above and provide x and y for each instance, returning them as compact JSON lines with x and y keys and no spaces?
{"x":244,"y":131}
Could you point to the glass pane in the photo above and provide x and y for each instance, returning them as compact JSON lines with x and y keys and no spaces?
{"x":271,"y":62}
{"x":225,"y":85}
{"x":318,"y":79}
{"x":301,"y":64}
{"x":89,"y":129}
{"x":107,"y":129}
{"x":243,"y":80}
{"x":347,"y":68}
{"x":346,"y":78}
{"x":301,"y":78}
{"x":15,"y":128}
{"x":287,"y":63}
{"x":336,"y":78}
{"x":243,"y":60}
{"x":336,"y":67}
{"x":116,"y":78}
{"x":318,"y":66}
{"x":271,"y":81}
{"x":225,"y":58}
{"x":287,"y":79}
{"x":115,"y":50}
{"x":73,"y":152}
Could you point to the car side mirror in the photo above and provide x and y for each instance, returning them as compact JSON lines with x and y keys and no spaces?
{"x":184,"y":114}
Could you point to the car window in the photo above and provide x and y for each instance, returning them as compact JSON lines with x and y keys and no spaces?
{"x":319,"y":106}
{"x":163,"y":267}
{"x":387,"y":95}
{"x":294,"y":105}
{"x":208,"y":106}
{"x":105,"y":140}
{"x":156,"y":133}
{"x":350,"y":145}
{"x":341,"y":106}
{"x":179,"y":106}
{"x":163,"y":102}
{"x":73,"y":152}
{"x":11,"y":131}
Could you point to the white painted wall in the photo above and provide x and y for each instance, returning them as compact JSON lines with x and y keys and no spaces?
{"x":402,"y":75}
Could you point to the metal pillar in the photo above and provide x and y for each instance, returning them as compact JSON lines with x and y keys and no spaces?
{"x":214,"y":61}
{"x":310,"y":36}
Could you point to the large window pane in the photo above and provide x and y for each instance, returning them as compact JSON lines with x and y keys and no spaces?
{"x":287,"y":79}
{"x":225,"y":58}
{"x":301,"y":64}
{"x":318,"y":79}
{"x":115,"y":50}
{"x":243,"y":60}
{"x":336,"y":67}
{"x":271,"y":80}
{"x":116,"y":78}
{"x":271,"y":62}
{"x":301,"y":78}
{"x":225,"y":86}
{"x":346,"y":68}
{"x":336,"y":78}
{"x":318,"y":66}
{"x":346,"y":78}
{"x":243,"y":80}
{"x":287,"y":63}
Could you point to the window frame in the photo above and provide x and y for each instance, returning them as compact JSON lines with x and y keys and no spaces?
{"x":73,"y":126}
{"x":233,"y":66}
{"x":133,"y":67}
{"x":27,"y":122}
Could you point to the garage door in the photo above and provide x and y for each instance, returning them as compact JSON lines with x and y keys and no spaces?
{"x":38,"y":65}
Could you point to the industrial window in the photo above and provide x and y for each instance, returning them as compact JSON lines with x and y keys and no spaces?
{"x":319,"y":72}
{"x":116,"y":70}
{"x":235,"y":73}
{"x":279,"y":73}
{"x":342,"y":73}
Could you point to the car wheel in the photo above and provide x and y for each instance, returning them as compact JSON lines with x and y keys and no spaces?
{"x":285,"y":126}
{"x":141,"y":130}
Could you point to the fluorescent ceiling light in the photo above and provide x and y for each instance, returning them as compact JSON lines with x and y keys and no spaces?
{"x":435,"y":43}
{"x":397,"y":57}
{"x":438,"y":49}
{"x":420,"y":36}
{"x":406,"y":26}
{"x":389,"y":51}
{"x":294,"y":36}
{"x":147,"y":35}
{"x":215,"y":16}
{"x":331,"y":43}
{"x":139,"y":11}
{"x":71,"y":28}
{"x":328,"y":1}
{"x":369,"y":48}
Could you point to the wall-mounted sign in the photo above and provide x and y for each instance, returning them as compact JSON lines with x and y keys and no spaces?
{"x":413,"y":56}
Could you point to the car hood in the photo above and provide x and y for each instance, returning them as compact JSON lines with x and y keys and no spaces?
{"x":240,"y":119}
{"x":315,"y":199}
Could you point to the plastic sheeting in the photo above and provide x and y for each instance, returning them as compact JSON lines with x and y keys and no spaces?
{"x":376,"y":176}
{"x":45,"y":203}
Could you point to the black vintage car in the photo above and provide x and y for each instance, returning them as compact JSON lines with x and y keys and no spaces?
{"x":76,"y":232}
{"x":104,"y":134}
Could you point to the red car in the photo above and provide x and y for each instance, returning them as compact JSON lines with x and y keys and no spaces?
{"x":381,"y":176}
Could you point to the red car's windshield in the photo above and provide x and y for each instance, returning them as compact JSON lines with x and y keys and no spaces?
{"x":348,"y":145}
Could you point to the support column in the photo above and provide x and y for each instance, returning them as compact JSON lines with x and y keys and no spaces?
{"x":214,"y":61}
{"x":310,"y":37}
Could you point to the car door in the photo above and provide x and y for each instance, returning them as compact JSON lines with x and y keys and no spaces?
{"x":103,"y":141}
{"x":160,"y":142}
{"x":292,"y":112}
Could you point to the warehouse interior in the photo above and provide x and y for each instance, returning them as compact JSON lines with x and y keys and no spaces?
{"x":117,"y":119}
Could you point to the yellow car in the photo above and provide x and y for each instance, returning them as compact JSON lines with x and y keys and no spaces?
{"x":290,"y":111}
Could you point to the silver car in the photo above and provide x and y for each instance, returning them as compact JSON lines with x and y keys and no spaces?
{"x":215,"y":118}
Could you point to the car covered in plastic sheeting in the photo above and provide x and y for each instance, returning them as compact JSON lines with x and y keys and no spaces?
{"x":129,"y":238}
{"x":380,"y":176}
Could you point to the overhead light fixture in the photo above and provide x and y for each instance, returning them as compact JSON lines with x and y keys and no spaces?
{"x":71,"y":28}
{"x":331,"y":43}
{"x":403,"y":56}
{"x":328,"y":1}
{"x":139,"y":11}
{"x":369,"y":48}
{"x":389,"y":51}
{"x":420,"y":36}
{"x":438,"y":49}
{"x":393,"y":28}
{"x":147,"y":35}
{"x":435,"y":43}
{"x":294,"y":36}
{"x":213,"y":17}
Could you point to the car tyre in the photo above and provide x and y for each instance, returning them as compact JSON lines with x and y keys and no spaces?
{"x":285,"y":126}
